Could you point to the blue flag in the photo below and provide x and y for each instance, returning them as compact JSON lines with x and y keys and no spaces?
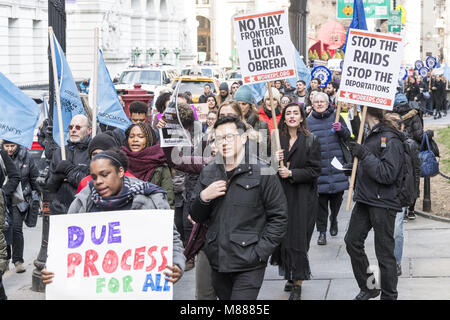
{"x":258,"y":91}
{"x":447,"y":72}
{"x":303,"y":72}
{"x":71,"y":104}
{"x":109,"y":109}
{"x":20,"y":114}
{"x":359,"y":19}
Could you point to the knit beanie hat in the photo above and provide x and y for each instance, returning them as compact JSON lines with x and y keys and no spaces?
{"x":244,"y":93}
{"x":275,"y":93}
{"x":103,"y":142}
{"x":224,"y":86}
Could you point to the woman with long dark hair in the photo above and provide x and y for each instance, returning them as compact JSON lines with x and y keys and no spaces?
{"x":301,"y":157}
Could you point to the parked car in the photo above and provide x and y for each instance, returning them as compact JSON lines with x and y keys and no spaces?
{"x":195,"y":85}
{"x":152,"y":79}
{"x":233,"y":76}
{"x":206,"y":71}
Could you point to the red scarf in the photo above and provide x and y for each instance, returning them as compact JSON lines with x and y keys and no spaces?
{"x":143,"y":163}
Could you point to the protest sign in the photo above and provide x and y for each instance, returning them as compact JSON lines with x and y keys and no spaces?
{"x":202,"y":111}
{"x":173,"y":134}
{"x":265,"y":47}
{"x":371,"y":69}
{"x":110,"y":255}
{"x":323,"y":74}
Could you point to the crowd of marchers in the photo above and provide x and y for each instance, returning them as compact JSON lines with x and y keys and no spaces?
{"x":236,"y":211}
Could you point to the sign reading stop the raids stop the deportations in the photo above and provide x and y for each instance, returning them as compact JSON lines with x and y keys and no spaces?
{"x":371,"y":69}
{"x":265,"y":48}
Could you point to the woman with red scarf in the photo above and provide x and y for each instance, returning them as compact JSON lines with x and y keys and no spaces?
{"x":147,"y":160}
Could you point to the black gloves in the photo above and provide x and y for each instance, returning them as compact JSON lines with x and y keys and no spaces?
{"x":358,"y":150}
{"x":430,"y":134}
{"x":64,"y":167}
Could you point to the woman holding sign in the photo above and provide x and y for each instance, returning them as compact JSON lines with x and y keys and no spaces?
{"x":377,"y":204}
{"x":110,"y":190}
{"x":301,"y":156}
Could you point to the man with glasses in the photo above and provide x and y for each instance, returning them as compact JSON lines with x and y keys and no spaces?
{"x":234,"y":87}
{"x":65,"y":175}
{"x":246,"y":210}
{"x":332,"y":182}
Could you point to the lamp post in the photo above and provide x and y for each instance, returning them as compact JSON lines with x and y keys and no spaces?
{"x":135,"y":53}
{"x":176,"y":52}
{"x":163,"y":53}
{"x":150,"y":53}
{"x":56,"y":20}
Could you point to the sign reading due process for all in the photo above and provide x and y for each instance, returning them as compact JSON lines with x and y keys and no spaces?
{"x":371,"y":69}
{"x":265,"y":48}
{"x":110,"y":255}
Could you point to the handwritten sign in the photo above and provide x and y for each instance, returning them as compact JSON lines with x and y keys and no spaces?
{"x":265,"y":48}
{"x":110,"y":255}
{"x":202,"y":111}
{"x":371,"y":69}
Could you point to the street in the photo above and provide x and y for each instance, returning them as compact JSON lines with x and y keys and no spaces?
{"x":425,"y":265}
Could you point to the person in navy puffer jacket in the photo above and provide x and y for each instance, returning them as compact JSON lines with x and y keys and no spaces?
{"x":332,"y":183}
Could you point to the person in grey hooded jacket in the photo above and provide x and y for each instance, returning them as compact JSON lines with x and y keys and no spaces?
{"x":110,"y":190}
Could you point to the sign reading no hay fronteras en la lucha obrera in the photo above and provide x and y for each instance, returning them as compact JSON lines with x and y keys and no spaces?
{"x":266,"y":52}
{"x":371,"y":69}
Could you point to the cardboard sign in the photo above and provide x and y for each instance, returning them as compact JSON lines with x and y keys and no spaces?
{"x":265,"y":47}
{"x":371,"y":69}
{"x":110,"y":255}
{"x":202,"y":111}
{"x":173,"y":134}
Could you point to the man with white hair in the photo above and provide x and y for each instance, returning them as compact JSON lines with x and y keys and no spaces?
{"x":65,"y":175}
{"x":332,"y":183}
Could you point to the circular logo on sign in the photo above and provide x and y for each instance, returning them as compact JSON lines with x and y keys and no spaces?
{"x":431,"y":62}
{"x":419,"y":64}
{"x":423,"y":71}
{"x":322,"y":73}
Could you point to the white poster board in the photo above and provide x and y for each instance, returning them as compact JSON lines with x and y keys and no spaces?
{"x":265,"y":47}
{"x":110,"y":255}
{"x":371,"y":69}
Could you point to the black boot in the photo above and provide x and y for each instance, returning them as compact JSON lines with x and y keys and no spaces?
{"x":296,"y":293}
{"x":288,"y":286}
{"x":334,"y":228}
{"x":322,"y":239}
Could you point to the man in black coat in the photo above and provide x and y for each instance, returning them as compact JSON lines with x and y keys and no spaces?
{"x":438,"y":95}
{"x":247,"y":213}
{"x":65,"y":175}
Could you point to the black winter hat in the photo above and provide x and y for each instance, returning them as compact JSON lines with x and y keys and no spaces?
{"x":102,"y":141}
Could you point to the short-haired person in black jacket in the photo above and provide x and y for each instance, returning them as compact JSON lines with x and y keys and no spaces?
{"x":247,"y":212}
{"x":377,"y":203}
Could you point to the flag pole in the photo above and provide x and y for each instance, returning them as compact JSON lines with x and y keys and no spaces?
{"x":355,"y":160}
{"x":95,"y":86}
{"x":274,"y":119}
{"x":57,"y":93}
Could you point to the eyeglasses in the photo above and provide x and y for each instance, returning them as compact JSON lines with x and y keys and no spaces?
{"x":319,"y":102}
{"x":229,"y":137}
{"x":77,"y":127}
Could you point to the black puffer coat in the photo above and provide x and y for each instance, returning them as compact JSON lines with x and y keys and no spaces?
{"x":63,"y":187}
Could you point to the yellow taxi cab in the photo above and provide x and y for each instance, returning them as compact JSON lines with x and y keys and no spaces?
{"x":195,"y":85}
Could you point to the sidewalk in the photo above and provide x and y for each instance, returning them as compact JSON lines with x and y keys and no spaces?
{"x":426,"y":267}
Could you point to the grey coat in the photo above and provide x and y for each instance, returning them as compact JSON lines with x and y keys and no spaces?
{"x":83,"y":203}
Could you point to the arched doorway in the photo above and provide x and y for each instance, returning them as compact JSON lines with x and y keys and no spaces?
{"x":204,"y":37}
